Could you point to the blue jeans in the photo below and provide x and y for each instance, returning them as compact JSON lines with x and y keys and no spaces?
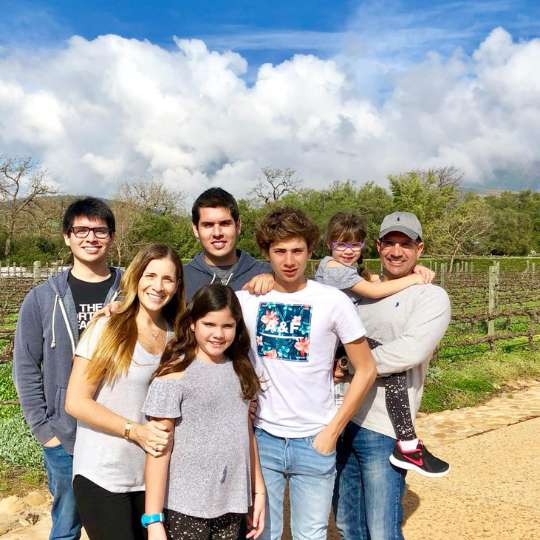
{"x":65,"y":518}
{"x":367,"y":497}
{"x":311,"y":477}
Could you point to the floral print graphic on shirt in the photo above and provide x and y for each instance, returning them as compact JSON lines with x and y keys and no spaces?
{"x":283,"y":331}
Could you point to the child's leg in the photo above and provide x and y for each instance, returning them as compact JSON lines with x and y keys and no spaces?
{"x":409,"y":452}
{"x":398,"y":406}
{"x":397,"y":401}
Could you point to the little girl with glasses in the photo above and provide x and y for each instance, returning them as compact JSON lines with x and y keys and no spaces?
{"x":345,"y":237}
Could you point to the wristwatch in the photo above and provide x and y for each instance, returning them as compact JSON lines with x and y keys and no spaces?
{"x":147,"y":519}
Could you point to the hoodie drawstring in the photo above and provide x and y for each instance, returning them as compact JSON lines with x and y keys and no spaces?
{"x":66,"y":320}
{"x":214,"y":277}
{"x":53,"y":341}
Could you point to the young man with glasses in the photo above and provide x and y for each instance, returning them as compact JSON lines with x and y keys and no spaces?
{"x":51,"y":317}
{"x":406,"y":328}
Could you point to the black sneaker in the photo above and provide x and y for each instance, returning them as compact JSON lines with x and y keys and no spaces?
{"x":420,"y":460}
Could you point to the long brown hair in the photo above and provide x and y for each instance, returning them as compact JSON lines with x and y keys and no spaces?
{"x":348,"y":227}
{"x":181,"y":350}
{"x":112,"y":356}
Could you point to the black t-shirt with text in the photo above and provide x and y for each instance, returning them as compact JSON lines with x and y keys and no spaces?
{"x":89,"y":297}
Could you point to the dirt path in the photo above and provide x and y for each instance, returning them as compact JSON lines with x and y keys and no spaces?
{"x":492,"y":491}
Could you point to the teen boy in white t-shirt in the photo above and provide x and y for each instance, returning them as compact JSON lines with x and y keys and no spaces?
{"x":294,"y":331}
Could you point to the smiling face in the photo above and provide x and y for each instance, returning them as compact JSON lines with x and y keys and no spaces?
{"x":157,"y":285}
{"x":289,"y":259}
{"x":399,"y":254}
{"x":346,"y":253}
{"x":218,"y":232}
{"x":214,"y":334}
{"x":89,"y":251}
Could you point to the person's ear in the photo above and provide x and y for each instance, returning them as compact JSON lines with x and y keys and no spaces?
{"x":195,"y":231}
{"x":238,"y":227}
{"x":66,"y":240}
{"x":378,"y":244}
{"x":419,"y":248}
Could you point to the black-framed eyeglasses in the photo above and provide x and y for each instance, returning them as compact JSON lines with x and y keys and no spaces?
{"x":99,"y":232}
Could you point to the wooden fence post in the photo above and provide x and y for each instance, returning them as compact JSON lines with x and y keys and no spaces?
{"x":36,"y":274}
{"x":492,"y":299}
{"x":443,"y":274}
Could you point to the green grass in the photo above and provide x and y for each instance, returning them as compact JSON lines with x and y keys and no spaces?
{"x":10,"y":320}
{"x":21,"y":462}
{"x":15,"y":479}
{"x":7,"y":392}
{"x":468,"y":381}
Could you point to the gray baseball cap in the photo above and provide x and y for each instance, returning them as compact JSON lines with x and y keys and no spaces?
{"x":404,"y":222}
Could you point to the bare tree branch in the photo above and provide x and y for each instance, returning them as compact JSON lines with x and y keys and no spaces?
{"x":151,"y":195}
{"x":274,"y":184}
{"x":22,"y":182}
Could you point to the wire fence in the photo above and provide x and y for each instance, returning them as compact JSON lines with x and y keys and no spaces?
{"x":489,"y":309}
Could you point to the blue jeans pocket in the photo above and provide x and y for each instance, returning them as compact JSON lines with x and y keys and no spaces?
{"x":322,"y":454}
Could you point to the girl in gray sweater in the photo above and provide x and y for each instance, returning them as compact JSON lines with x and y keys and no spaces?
{"x":204,"y":485}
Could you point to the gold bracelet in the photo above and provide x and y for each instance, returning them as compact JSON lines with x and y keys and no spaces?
{"x":127,"y":429}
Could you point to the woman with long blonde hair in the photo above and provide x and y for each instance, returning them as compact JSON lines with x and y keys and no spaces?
{"x":113,"y":365}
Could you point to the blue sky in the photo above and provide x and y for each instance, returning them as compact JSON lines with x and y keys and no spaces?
{"x":271,"y":31}
{"x":347,"y":89}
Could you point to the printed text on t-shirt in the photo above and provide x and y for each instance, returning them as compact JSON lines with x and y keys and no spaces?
{"x":85,"y":314}
{"x":283,"y":331}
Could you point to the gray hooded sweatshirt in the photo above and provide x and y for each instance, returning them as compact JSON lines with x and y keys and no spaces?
{"x":198,"y":273}
{"x":45,"y":341}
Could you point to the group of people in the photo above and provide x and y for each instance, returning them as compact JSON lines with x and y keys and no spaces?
{"x":184,"y":408}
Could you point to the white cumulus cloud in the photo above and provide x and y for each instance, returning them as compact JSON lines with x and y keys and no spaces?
{"x":99,"y":112}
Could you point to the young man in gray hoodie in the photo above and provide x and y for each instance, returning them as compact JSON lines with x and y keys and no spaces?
{"x":216,"y":224}
{"x":51,"y":317}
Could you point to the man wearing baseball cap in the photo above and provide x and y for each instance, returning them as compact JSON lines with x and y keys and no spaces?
{"x":408,"y":325}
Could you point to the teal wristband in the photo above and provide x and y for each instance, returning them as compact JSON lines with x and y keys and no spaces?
{"x":148,"y":519}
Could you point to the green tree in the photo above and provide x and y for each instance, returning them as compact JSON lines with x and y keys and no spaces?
{"x":461,"y":229}
{"x":516,"y":223}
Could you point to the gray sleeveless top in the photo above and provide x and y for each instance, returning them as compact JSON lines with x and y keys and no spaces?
{"x":209,"y":472}
{"x":110,"y":461}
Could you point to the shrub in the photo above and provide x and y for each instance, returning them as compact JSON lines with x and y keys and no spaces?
{"x":17,"y":444}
